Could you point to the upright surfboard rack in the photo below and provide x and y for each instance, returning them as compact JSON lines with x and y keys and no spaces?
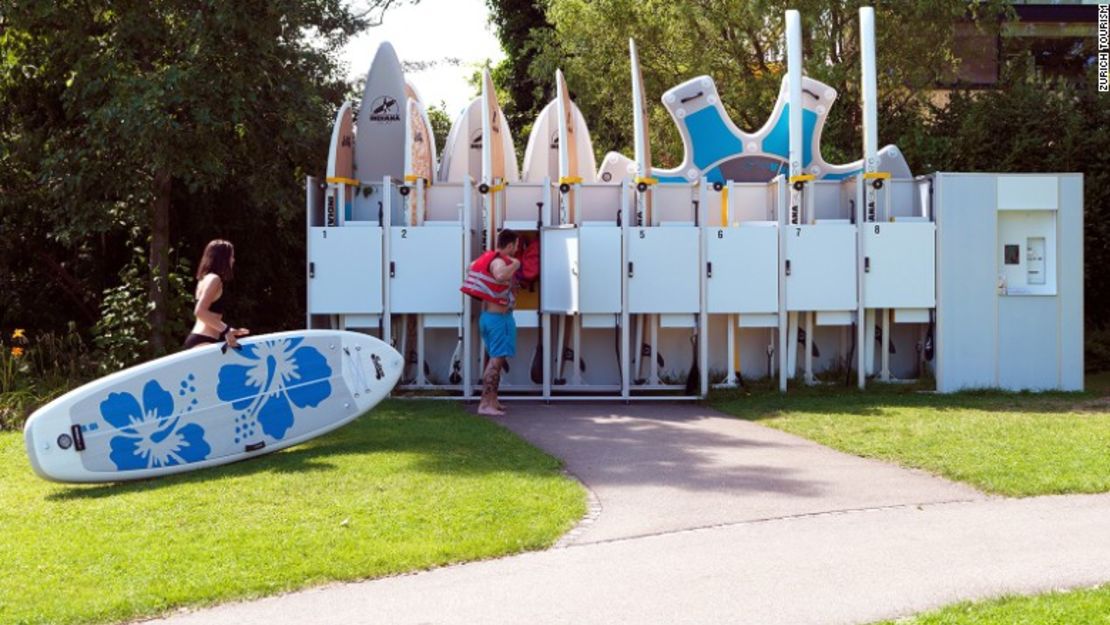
{"x":755,"y":258}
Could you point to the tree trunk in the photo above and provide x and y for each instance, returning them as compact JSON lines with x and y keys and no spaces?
{"x":159,"y":261}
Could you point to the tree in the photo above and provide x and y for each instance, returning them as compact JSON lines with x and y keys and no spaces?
{"x":740,"y":43}
{"x":161,"y":114}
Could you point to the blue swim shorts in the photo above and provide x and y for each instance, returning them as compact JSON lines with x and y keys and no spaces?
{"x":498,"y":333}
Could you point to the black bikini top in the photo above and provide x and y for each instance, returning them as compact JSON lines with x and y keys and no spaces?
{"x":220,"y":304}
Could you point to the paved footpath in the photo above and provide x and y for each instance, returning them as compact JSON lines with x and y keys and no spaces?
{"x":701,"y":518}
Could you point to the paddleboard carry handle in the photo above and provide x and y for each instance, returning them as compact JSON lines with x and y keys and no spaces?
{"x":78,"y":437}
{"x":255,"y":446}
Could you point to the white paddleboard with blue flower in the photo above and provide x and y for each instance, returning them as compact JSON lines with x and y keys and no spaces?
{"x":209,"y":406}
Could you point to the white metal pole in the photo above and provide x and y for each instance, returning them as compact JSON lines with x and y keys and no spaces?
{"x":626,"y":375}
{"x":868,"y":101}
{"x":468,"y":223}
{"x":387,"y":253}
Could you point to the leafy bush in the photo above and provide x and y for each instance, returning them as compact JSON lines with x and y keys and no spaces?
{"x":123,"y":331}
{"x":36,"y":369}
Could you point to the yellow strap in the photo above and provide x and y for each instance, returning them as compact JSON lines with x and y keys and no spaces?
{"x":881,"y":175}
{"x":497,"y":187}
{"x":724,"y":206}
{"x":570,"y":180}
{"x":802,"y":178}
{"x":337,"y":180}
{"x":640,"y":179}
{"x":414,"y":178}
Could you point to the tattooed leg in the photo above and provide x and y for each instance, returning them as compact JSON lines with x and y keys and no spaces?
{"x":491,"y":380}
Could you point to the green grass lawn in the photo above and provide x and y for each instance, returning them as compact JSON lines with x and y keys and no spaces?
{"x":408,"y":486}
{"x":1079,"y":607}
{"x":1016,"y":444}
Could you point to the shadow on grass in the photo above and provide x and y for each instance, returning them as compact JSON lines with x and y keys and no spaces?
{"x":444,"y":438}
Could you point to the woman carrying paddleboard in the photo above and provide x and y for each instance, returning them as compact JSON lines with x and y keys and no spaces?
{"x":214,"y":271}
{"x":490,"y":279}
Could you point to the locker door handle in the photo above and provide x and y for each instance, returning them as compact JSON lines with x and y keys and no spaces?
{"x":788,"y":266}
{"x":311,"y":270}
{"x":708,"y":270}
{"x":866,"y":264}
{"x":629,"y":269}
{"x":392,"y":269}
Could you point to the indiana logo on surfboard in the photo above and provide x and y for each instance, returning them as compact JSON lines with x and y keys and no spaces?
{"x":384,"y":109}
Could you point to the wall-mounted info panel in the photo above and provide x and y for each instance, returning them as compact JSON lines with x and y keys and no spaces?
{"x":663,"y":270}
{"x":899,"y":264}
{"x":345,"y":270}
{"x":426,"y":269}
{"x":742,"y":269}
{"x":820,"y":266}
{"x":1009,"y":281}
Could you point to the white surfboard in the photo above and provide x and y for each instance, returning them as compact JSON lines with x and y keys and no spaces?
{"x":615,"y":168}
{"x":208,"y":406}
{"x":541,"y":156}
{"x":340,"y":172}
{"x":382,"y":116}
{"x":462,"y":151}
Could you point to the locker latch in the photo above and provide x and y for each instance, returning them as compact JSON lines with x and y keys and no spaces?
{"x":392,"y":269}
{"x":708,"y":270}
{"x":629,"y":269}
{"x":866,"y":264}
{"x":788,"y":266}
{"x":311,"y":270}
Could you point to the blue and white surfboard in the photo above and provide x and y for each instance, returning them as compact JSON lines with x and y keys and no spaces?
{"x":209,"y":406}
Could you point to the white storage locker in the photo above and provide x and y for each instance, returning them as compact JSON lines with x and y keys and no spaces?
{"x":663,"y":270}
{"x":345,"y":270}
{"x":426,"y":270}
{"x":899,"y":265}
{"x":742,"y":273}
{"x":559,"y":270}
{"x":599,"y":276}
{"x":821,"y":262}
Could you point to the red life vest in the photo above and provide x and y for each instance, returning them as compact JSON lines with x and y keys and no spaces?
{"x":481,"y":284}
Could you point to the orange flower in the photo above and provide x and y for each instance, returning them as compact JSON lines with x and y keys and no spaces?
{"x":17,"y":352}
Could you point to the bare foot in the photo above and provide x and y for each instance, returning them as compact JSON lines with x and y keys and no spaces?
{"x":501,"y":406}
{"x":490,"y":412}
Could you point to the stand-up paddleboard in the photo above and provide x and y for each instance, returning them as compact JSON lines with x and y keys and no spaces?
{"x":340,"y":172}
{"x":575,"y":167}
{"x":210,"y":406}
{"x":419,"y":159}
{"x":382,"y":117}
{"x":462,"y":151}
{"x":615,"y":168}
{"x":716,"y":149}
{"x":644,"y":178}
{"x":541,"y":157}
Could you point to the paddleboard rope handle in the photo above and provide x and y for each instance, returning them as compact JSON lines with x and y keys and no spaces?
{"x":643,"y":182}
{"x":877,"y":178}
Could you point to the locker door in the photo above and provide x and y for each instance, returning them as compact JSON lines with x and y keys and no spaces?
{"x":742,"y":269}
{"x":899,"y":265}
{"x":663,"y":270}
{"x":345,"y":270}
{"x":599,"y":279}
{"x":426,"y":269}
{"x":822,"y":267}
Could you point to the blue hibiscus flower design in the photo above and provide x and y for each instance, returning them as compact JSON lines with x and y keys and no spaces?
{"x":279,"y":374}
{"x":149,"y":435}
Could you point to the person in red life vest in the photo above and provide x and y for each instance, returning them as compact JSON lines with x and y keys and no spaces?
{"x":490,"y":279}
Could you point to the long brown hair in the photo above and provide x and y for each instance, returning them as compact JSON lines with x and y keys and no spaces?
{"x":217,"y":260}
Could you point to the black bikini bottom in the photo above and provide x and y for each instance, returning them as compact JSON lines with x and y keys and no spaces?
{"x":195,"y":339}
